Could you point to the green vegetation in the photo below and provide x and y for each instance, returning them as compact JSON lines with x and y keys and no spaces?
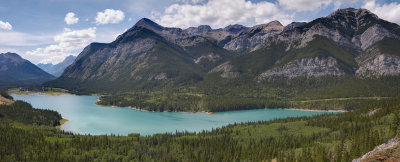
{"x":336,"y":137}
{"x":46,"y":91}
{"x":23,"y":112}
{"x":211,"y":95}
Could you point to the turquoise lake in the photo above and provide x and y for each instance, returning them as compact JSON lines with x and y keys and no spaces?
{"x":85,"y":117}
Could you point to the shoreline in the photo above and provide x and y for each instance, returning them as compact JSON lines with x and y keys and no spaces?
{"x":316,"y":110}
{"x":134,"y":108}
{"x":201,"y":112}
{"x":205,"y":112}
{"x":62,"y":121}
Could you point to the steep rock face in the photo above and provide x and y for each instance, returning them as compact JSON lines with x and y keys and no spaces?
{"x":95,"y":63}
{"x":254,"y":37}
{"x":380,"y":59}
{"x":374,"y":34}
{"x":354,"y":28}
{"x":380,"y":65}
{"x":309,"y":67}
{"x":169,"y":33}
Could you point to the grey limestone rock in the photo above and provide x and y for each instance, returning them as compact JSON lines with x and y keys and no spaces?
{"x":309,"y":67}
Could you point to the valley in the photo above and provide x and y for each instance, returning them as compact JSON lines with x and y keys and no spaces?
{"x":323,"y":90}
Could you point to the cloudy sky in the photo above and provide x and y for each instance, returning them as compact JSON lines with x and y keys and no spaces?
{"x":46,"y":31}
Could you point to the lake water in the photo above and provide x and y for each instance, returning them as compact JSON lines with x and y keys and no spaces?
{"x":85,"y":117}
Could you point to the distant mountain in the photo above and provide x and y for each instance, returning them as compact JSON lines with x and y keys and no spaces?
{"x":14,"y":70}
{"x":57,"y":69}
{"x":349,"y":42}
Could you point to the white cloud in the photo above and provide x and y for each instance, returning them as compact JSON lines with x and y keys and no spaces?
{"x":315,"y":5}
{"x":190,"y":1}
{"x":5,"y":25}
{"x":5,"y":50}
{"x":389,"y":12}
{"x":70,"y":18}
{"x":304,"y":5}
{"x":69,"y":42}
{"x":220,"y":13}
{"x":339,"y":3}
{"x":109,"y":16}
{"x":11,"y":38}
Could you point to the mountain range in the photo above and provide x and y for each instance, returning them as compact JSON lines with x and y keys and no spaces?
{"x":14,"y":70}
{"x":348,"y":42}
{"x":57,"y":69}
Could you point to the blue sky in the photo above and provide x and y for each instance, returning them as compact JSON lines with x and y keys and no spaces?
{"x":49,"y":30}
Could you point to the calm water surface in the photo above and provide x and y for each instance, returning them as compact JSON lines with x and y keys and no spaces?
{"x":85,"y":117}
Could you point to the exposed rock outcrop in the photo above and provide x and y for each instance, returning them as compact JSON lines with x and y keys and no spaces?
{"x":354,"y":28}
{"x":102,"y":62}
{"x":374,"y":34}
{"x":309,"y":67}
{"x":225,"y":69}
{"x":380,"y":65}
{"x":161,"y":76}
{"x":199,"y":30}
{"x":392,"y":142}
{"x":255,"y":37}
{"x":293,"y":25}
{"x":210,"y":57}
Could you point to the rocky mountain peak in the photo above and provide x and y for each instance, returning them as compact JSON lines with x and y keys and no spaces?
{"x":15,"y":69}
{"x":198,"y":30}
{"x":12,"y":57}
{"x":10,"y":54}
{"x":273,"y":25}
{"x":204,"y":27}
{"x":293,"y":25}
{"x":350,"y":21}
{"x":356,"y":13}
{"x":147,"y":23}
{"x":236,"y":28}
{"x":70,"y":57}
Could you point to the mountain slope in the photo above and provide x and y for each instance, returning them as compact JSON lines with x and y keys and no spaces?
{"x":350,"y":53}
{"x":141,"y":58}
{"x":57,"y":69}
{"x":15,"y":70}
{"x":340,"y":41}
